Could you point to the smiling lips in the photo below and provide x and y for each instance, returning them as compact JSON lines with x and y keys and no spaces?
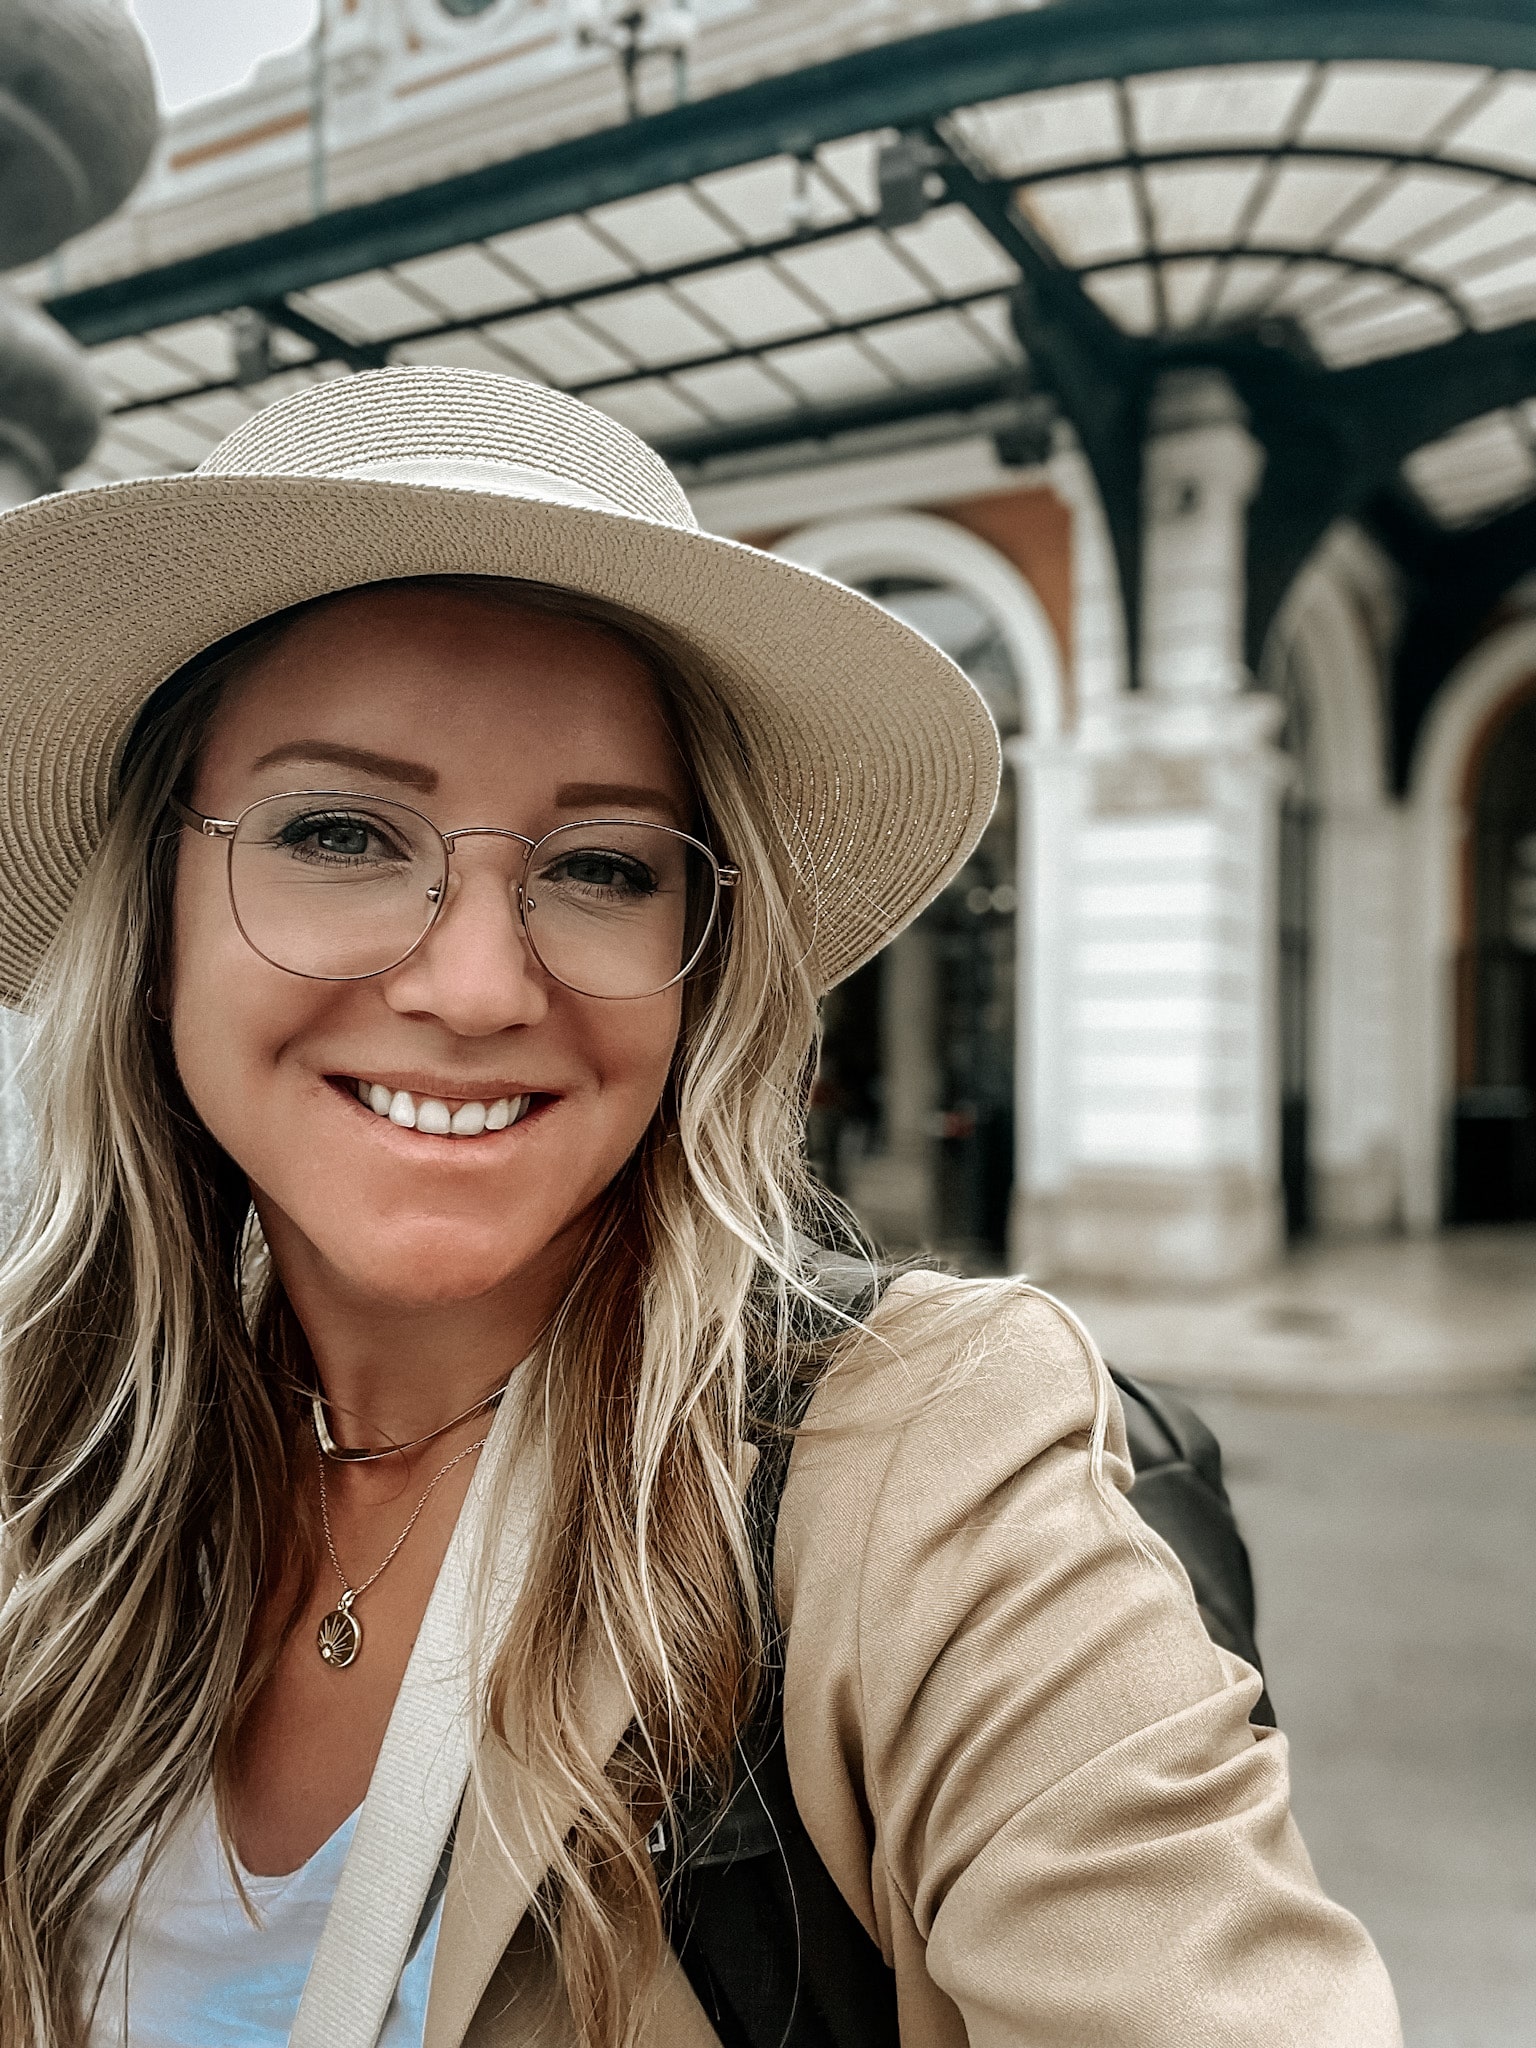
{"x":433,"y":1117}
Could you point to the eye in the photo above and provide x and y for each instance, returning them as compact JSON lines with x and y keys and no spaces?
{"x":610,"y":874}
{"x":340,"y":836}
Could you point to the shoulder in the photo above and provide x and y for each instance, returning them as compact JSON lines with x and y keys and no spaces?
{"x":968,"y":1419}
{"x":994,"y":1370}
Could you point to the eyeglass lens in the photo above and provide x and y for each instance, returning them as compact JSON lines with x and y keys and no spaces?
{"x":341,"y":887}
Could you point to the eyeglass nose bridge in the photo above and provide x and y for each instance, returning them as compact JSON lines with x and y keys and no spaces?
{"x":438,"y":890}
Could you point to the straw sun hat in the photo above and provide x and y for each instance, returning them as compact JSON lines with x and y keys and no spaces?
{"x":882,"y":757}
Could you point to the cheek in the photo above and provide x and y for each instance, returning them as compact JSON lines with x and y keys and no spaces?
{"x":229,"y":1010}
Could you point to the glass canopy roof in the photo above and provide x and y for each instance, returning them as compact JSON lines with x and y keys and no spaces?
{"x":1372,"y":208}
{"x":1380,"y":207}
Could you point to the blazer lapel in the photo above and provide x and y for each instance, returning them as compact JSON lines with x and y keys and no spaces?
{"x":495,"y":1870}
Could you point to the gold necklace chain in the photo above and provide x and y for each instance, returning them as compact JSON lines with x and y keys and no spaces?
{"x":329,"y":1448}
{"x":340,"y":1635}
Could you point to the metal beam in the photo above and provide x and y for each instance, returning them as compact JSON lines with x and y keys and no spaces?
{"x":912,"y":82}
{"x":820,"y":425}
{"x":1337,"y":439}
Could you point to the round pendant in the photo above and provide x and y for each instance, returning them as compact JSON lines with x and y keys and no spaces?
{"x":340,"y":1636}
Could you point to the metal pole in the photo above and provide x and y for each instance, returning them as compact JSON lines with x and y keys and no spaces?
{"x":317,"y":57}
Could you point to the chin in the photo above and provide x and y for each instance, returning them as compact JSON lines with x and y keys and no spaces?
{"x":435,"y":1264}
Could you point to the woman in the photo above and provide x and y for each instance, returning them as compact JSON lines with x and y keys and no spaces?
{"x":425,"y":853}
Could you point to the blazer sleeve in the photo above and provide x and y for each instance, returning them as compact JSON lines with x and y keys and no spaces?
{"x":1020,"y":1756}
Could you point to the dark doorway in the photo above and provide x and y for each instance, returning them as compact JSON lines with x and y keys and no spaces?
{"x":1297,"y":889}
{"x":1493,"y":1144}
{"x":912,"y":1115}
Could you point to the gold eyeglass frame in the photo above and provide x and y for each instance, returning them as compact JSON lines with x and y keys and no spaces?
{"x":726,"y":877}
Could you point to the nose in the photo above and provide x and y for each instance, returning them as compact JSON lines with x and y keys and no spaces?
{"x":474,"y":972}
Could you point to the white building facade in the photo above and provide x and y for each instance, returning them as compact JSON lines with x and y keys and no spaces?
{"x":1242,"y":954}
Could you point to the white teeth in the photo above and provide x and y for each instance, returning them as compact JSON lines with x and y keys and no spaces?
{"x":434,"y":1117}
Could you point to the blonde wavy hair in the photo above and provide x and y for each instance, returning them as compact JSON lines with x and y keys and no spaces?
{"x":148,"y":1437}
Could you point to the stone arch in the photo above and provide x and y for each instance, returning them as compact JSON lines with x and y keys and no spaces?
{"x":860,"y":547}
{"x":1470,"y":703}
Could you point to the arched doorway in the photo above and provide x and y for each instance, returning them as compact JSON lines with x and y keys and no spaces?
{"x":1493,"y":1144}
{"x":913,"y":1118}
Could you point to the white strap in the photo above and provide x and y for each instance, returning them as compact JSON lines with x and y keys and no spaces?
{"x":417,"y":1783}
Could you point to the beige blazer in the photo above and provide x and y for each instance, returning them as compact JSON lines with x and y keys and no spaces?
{"x":1027,"y":1768}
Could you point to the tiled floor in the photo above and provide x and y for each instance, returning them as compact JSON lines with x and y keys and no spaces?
{"x":1394,"y":1545}
{"x":1400,"y":1315}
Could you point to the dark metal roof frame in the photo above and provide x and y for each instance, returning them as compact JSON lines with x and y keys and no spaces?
{"x":909,"y":83}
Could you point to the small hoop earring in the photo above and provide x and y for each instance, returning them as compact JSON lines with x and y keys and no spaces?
{"x":149,"y":1004}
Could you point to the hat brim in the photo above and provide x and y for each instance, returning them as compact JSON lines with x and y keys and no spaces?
{"x":882,"y":756}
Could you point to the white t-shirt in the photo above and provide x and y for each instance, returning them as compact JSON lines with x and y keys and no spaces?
{"x":202,"y":1974}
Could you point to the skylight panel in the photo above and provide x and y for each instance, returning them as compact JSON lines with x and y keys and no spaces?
{"x":1187,"y":291}
{"x":1200,"y":206}
{"x":205,"y":346}
{"x":558,"y":348}
{"x":770,"y":201}
{"x":1306,"y":200}
{"x":992,"y":320}
{"x":1495,"y":298}
{"x":952,"y":247}
{"x":653,"y":409}
{"x":561,"y":256}
{"x":1306,"y":284}
{"x":1502,"y":130}
{"x":1245,"y":286}
{"x":1233,"y":105}
{"x":752,"y":302}
{"x":217,"y":413}
{"x":1416,"y":202}
{"x":183,"y":442}
{"x":857,"y":277}
{"x":468,"y":349}
{"x":653,"y":326}
{"x":831,"y":371}
{"x":464,"y":283}
{"x":1480,"y":468}
{"x":1086,"y":220}
{"x":1509,"y":222}
{"x":932,"y":348}
{"x":1037,"y":131}
{"x":850,"y":166}
{"x":133,"y":369}
{"x":1127,"y":297}
{"x":663,"y":229}
{"x":372,"y":307}
{"x":1393,"y":106}
{"x":1387,"y":323}
{"x":735,"y":391}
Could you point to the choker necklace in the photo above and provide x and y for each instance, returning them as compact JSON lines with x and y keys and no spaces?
{"x":340,"y":1634}
{"x":329,"y":1448}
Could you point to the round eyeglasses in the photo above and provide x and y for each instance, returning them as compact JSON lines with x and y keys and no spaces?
{"x":334,"y":886}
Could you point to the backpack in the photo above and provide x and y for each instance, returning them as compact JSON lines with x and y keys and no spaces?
{"x":774,"y":1953}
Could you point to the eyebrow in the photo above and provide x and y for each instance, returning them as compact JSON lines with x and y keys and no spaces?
{"x":632,"y":796}
{"x":410,"y":774}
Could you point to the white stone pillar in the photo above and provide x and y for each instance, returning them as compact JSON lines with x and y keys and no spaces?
{"x":1172,"y":1143}
{"x":1201,"y":468}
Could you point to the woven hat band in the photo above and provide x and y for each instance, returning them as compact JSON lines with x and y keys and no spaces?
{"x":464,"y":429}
{"x":467,"y":473}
